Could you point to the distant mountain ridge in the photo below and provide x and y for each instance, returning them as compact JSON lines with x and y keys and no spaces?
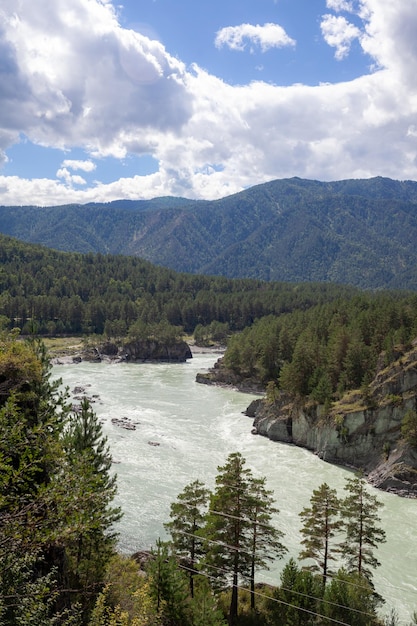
{"x":360,"y":232}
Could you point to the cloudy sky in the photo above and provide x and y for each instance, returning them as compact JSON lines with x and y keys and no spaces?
{"x":100,"y":100}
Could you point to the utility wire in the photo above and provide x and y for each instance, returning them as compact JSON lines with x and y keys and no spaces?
{"x":297,"y":593}
{"x":383,"y":584}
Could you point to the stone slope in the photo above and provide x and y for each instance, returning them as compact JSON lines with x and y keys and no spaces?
{"x":362,"y":430}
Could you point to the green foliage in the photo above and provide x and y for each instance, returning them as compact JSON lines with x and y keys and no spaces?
{"x":227,"y":530}
{"x":358,"y":232}
{"x":187,"y":519}
{"x":324,"y":349}
{"x":168,"y":587}
{"x":48,"y":292}
{"x":350,"y":598}
{"x":409,"y":427}
{"x":55,"y":495}
{"x":126,"y":599}
{"x":321,"y":524}
{"x":239,"y":536}
{"x":363,"y":535}
{"x":296,"y":601}
{"x":204,"y":608}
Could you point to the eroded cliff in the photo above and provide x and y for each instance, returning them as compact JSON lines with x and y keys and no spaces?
{"x":362,"y":430}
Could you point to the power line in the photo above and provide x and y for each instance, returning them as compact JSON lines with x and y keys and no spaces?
{"x":293,"y":606}
{"x":239,"y":549}
{"x":297,"y":593}
{"x":245,"y":519}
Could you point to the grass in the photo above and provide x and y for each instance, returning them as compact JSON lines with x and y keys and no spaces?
{"x":63,"y":346}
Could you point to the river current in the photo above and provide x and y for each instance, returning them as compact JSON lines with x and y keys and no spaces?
{"x":185,"y":430}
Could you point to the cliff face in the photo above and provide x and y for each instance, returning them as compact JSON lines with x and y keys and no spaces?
{"x":140,"y":351}
{"x":361,"y":430}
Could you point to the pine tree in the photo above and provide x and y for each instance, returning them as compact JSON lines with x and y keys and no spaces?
{"x":350,"y":599}
{"x":296,"y":601}
{"x":228,"y":531}
{"x":265,"y":538}
{"x":359,"y":511}
{"x":204,"y":607}
{"x":239,"y":535}
{"x":168,"y":587}
{"x":91,"y":514}
{"x":321,"y":523}
{"x":187,"y":519}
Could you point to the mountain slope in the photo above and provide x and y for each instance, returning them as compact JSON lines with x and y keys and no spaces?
{"x":361,"y":232}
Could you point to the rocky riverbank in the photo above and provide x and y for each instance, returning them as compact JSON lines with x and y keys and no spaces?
{"x":140,"y":351}
{"x":362,"y":430}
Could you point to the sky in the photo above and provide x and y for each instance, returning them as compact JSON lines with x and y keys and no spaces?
{"x":101,"y":100}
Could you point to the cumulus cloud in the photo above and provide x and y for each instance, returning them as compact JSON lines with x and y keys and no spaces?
{"x":70,"y":179}
{"x":266,"y":37}
{"x":72,"y":77}
{"x":339,"y":33}
{"x":86,"y":166}
{"x":339,"y":5}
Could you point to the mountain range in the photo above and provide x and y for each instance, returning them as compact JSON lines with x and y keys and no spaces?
{"x":359,"y":232}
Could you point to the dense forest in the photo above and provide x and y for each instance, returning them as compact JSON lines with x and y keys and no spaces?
{"x":327,"y":349}
{"x":57,"y":293}
{"x":310,"y":339}
{"x":58,"y":560}
{"x":358,"y":232}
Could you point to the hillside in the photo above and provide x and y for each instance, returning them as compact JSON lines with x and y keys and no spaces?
{"x":359,"y":232}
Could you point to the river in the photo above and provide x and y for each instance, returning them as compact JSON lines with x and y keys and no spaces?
{"x":185,"y":430}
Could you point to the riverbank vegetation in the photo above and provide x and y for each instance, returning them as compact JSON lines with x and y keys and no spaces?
{"x":58,"y":559}
{"x":327,"y":349}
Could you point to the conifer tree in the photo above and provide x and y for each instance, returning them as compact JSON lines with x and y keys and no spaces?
{"x":265,"y":538}
{"x":295,"y":602}
{"x":321,"y":522}
{"x":359,"y":510}
{"x":350,"y":599}
{"x":168,"y":587}
{"x":239,"y":535}
{"x":204,"y":607}
{"x":227,"y":531}
{"x":187,"y":519}
{"x":89,"y":478}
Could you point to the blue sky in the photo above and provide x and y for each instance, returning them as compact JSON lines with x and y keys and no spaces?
{"x":101,"y":100}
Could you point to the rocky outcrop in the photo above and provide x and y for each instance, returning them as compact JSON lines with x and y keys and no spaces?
{"x":140,"y":351}
{"x":223,"y":377}
{"x":362,"y":430}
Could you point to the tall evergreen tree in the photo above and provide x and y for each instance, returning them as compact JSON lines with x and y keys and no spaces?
{"x":321,"y":522}
{"x":240,"y":538}
{"x":55,"y":495}
{"x":88,"y":470}
{"x":228,"y":531}
{"x":168,"y":587}
{"x":265,"y":538}
{"x":359,"y":510}
{"x":187,"y":519}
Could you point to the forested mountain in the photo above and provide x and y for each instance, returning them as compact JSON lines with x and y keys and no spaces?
{"x":56,"y":292}
{"x":359,"y":232}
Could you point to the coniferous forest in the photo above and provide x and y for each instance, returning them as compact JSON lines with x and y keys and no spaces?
{"x":58,"y":551}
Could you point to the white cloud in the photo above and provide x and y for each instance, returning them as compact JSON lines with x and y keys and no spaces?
{"x":339,"y":33}
{"x":86,"y":166}
{"x":72,"y":77}
{"x":339,"y":5}
{"x":266,"y":37}
{"x":69,"y":178}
